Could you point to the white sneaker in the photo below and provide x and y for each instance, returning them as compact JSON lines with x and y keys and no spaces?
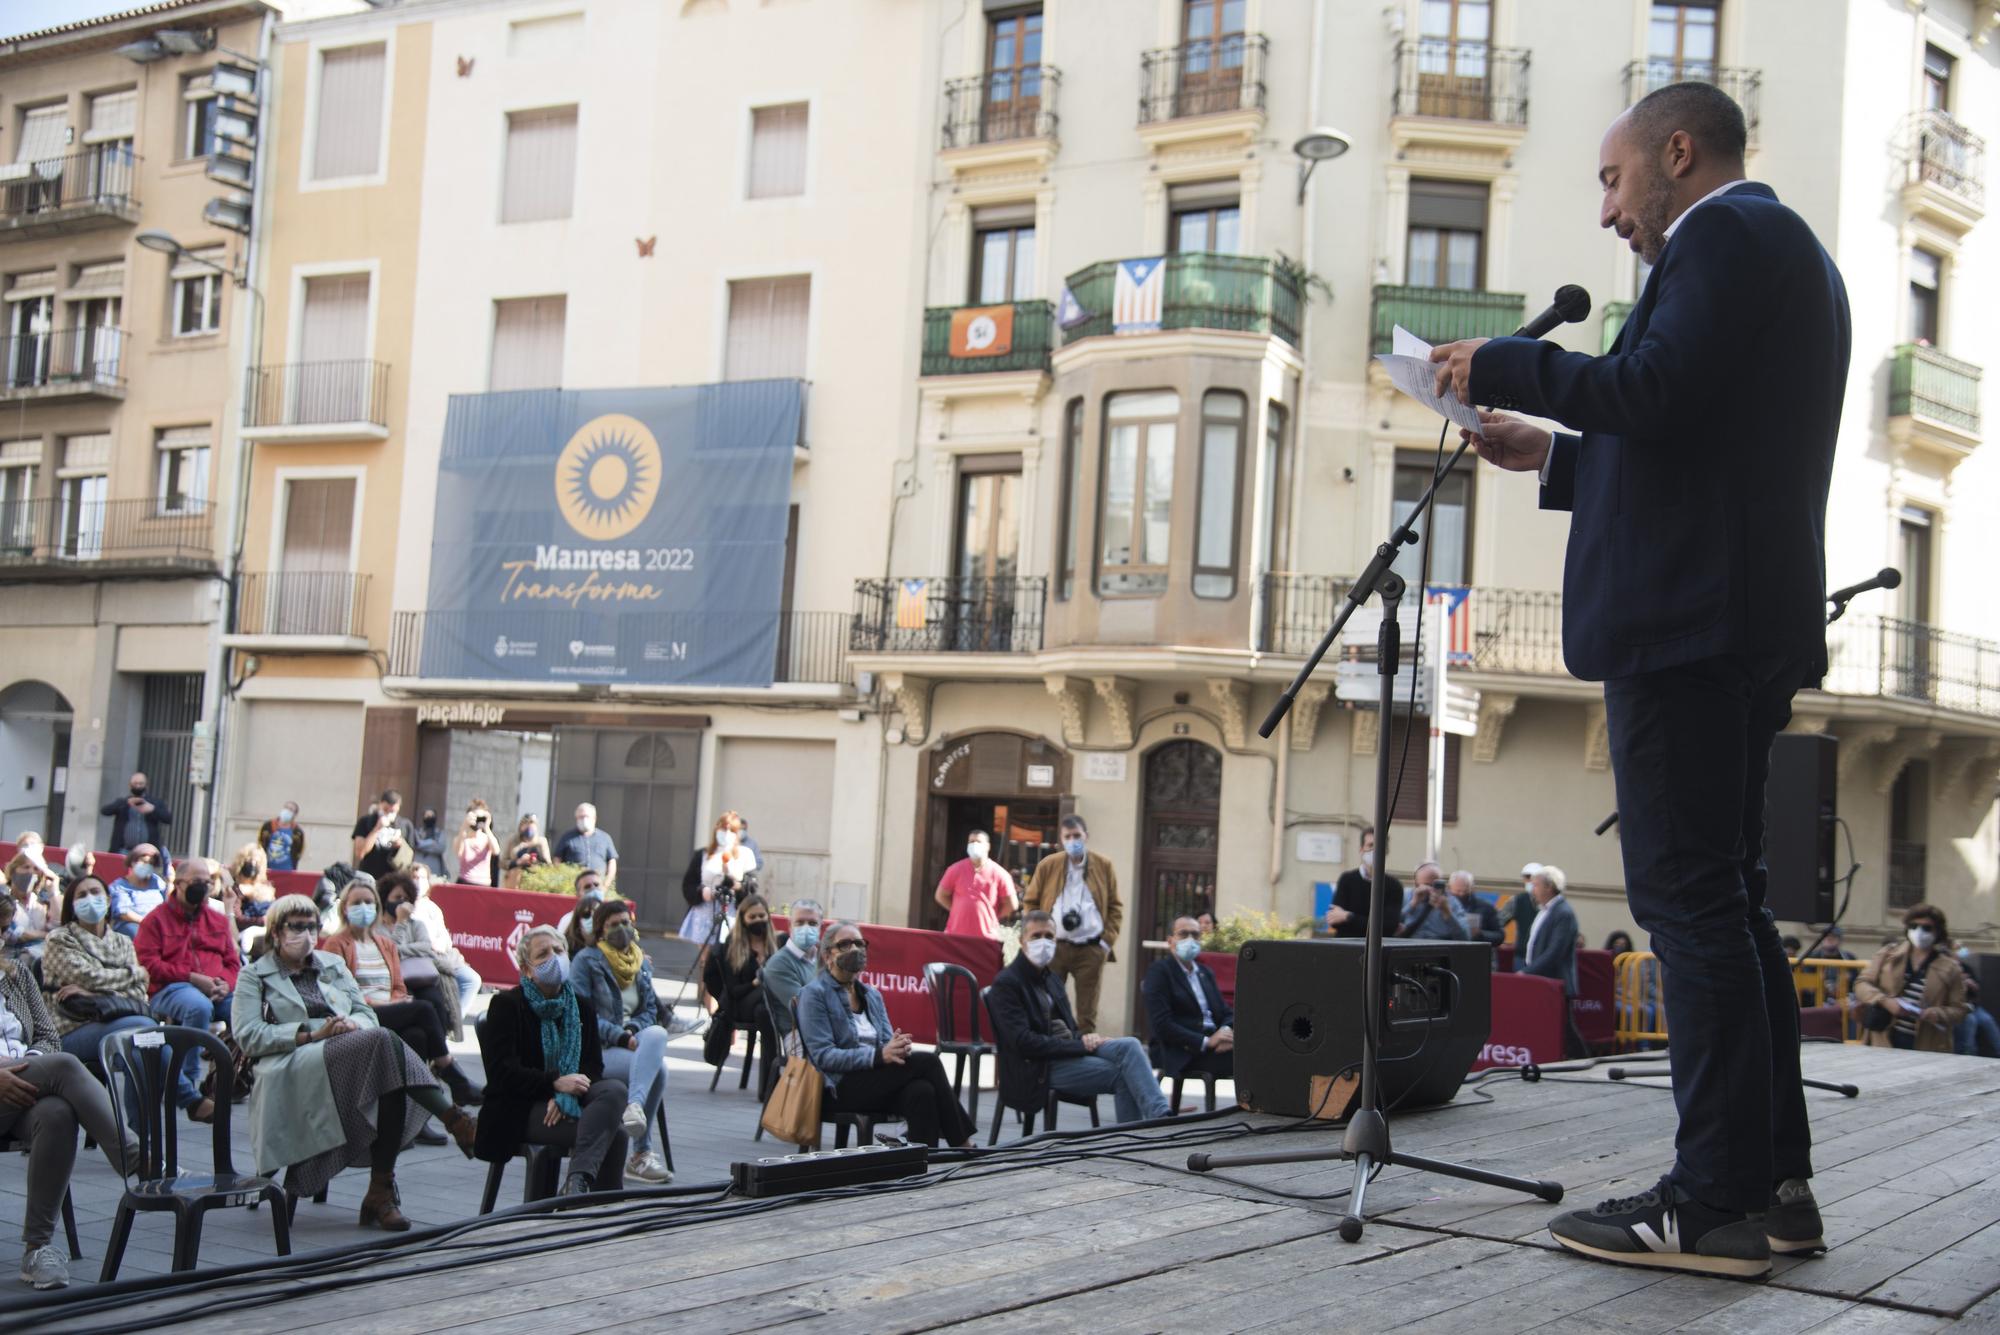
{"x":634,"y":1121}
{"x":45,"y":1268}
{"x":648,"y":1167}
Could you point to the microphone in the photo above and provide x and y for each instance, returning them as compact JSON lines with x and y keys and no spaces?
{"x":1572,"y":303}
{"x":1888,"y":577}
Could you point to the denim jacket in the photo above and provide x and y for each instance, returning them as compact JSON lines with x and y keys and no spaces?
{"x":827,"y":1025}
{"x":591,"y":976}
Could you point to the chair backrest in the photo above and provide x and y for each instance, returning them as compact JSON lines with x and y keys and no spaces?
{"x":944,"y":981}
{"x":139,"y":1070}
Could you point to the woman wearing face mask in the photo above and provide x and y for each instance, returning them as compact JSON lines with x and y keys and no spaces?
{"x":867,"y":1065}
{"x":976,"y":892}
{"x":37,"y":894}
{"x":579,"y":925}
{"x":722,"y":864}
{"x":332,"y":1084}
{"x":545,"y":1072}
{"x":253,"y":883}
{"x":735,"y":978}
{"x":615,"y":977}
{"x":371,"y":956}
{"x":476,"y":848}
{"x":91,"y":974}
{"x":1917,"y":983}
{"x":528,"y":848}
{"x":440,"y":989}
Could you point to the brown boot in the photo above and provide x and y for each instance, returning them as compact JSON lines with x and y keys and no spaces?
{"x":378,"y":1207}
{"x":462,"y":1126}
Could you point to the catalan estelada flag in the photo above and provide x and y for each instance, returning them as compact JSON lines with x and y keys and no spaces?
{"x":912,"y":607}
{"x":1454,"y":601}
{"x":1139,"y":295}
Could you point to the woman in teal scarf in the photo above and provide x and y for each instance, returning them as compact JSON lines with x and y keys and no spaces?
{"x":545,"y":1080}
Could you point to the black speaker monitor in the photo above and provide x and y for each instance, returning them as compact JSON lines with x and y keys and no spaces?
{"x":1298,"y":1015}
{"x":1800,"y":803}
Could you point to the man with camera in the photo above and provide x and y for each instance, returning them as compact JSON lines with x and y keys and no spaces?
{"x":384,"y":841}
{"x":1079,"y":889}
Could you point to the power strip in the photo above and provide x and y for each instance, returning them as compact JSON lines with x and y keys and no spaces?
{"x":786,"y":1174}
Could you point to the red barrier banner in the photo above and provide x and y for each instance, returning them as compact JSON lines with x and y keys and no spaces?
{"x":1527,"y":1022}
{"x":1594,"y":1006}
{"x":896,"y":960}
{"x":487,"y":924}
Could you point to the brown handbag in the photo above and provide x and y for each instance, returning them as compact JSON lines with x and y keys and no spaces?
{"x":791,"y":1114}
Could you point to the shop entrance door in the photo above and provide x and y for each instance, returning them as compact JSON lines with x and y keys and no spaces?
{"x":1183,"y":798}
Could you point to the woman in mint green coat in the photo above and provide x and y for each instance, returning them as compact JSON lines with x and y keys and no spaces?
{"x":331,"y":1087}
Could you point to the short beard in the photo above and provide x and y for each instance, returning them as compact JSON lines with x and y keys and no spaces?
{"x":1653,"y":214}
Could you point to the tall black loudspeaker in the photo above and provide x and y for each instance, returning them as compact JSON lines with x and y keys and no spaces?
{"x":1800,"y":803}
{"x":1298,"y":1015}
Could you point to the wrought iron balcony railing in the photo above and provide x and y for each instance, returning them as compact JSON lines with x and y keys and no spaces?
{"x":315,"y":603}
{"x":1202,"y":78}
{"x":1198,"y":291}
{"x":96,"y":186}
{"x":317,"y":394}
{"x":1745,"y":86}
{"x":1442,"y":314}
{"x":947,"y":614}
{"x":1924,"y":382}
{"x":84,"y":360}
{"x":61,"y":535}
{"x":1023,"y":345}
{"x":1000,"y":106}
{"x":1938,"y":150}
{"x":1461,"y":80}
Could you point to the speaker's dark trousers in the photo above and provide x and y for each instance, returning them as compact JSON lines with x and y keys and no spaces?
{"x":1690,"y":749}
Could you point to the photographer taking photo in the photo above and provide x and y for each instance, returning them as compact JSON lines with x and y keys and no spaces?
{"x":716,"y":875}
{"x":478,"y":852}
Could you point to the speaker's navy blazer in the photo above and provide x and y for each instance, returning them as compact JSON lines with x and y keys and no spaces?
{"x":1698,"y":485}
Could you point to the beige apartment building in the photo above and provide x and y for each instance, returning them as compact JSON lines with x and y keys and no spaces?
{"x":1089,"y":442}
{"x":118,"y":401}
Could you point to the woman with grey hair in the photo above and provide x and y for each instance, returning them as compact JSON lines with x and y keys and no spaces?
{"x":332,"y":1086}
{"x":545,"y":1082}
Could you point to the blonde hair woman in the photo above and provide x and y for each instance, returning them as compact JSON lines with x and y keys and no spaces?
{"x":476,"y":847}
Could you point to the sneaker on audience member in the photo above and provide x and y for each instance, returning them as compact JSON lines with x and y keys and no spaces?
{"x":1792,"y":1225}
{"x":634,"y":1121}
{"x":1665,"y":1228}
{"x":44,"y":1268}
{"x":648,"y":1166}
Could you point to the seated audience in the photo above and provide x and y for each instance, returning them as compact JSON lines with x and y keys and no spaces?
{"x":1977,"y":1035}
{"x":423,"y":973}
{"x":735,"y":978}
{"x":45,"y":1094}
{"x":1041,"y":1045}
{"x":139,"y":891}
{"x":332,"y":1086}
{"x":1915,"y":985}
{"x":867,"y":1065}
{"x":1619,"y":943}
{"x":1207,"y":923}
{"x":545,"y":1081}
{"x":283,"y":839}
{"x":92,"y":974}
{"x":371,"y":956}
{"x":789,"y":969}
{"x":1833,"y":946}
{"x":427,"y":914}
{"x":1481,"y":918}
{"x":581,"y":920}
{"x":36,"y":891}
{"x":253,"y":881}
{"x":188,"y":951}
{"x":1189,"y":1018}
{"x":616,"y":978}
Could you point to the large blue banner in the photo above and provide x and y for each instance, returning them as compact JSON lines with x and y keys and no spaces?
{"x":627,"y":536}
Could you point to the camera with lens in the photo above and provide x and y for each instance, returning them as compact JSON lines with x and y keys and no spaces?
{"x":734,"y":889}
{"x":1072,"y":920}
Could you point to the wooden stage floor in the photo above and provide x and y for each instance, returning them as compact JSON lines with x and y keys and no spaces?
{"x":1123,"y":1239}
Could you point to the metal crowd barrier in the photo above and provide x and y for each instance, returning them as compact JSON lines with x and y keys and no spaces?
{"x":1639,"y":988}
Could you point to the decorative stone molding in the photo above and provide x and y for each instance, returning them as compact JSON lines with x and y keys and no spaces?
{"x":1367,"y":732}
{"x":1811,"y":725}
{"x":1971,"y":762}
{"x":1495,"y":708}
{"x":1857,"y":740}
{"x":1596,"y":738}
{"x":1121,"y":699}
{"x":1232,"y":702}
{"x":1073,"y":700}
{"x":912,"y":695}
{"x":1908,"y":744}
{"x":1305,"y":714}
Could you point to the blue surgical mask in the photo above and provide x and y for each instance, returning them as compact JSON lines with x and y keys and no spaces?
{"x":1073,"y":847}
{"x":1187,"y":948}
{"x":553,"y":971}
{"x":92,"y":908}
{"x":806,"y":936}
{"x":361,"y":916}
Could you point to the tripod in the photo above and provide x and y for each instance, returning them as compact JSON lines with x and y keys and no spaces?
{"x":1367,"y":1144}
{"x":724,"y":904}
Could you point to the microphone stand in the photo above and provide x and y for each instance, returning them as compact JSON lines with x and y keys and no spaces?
{"x":1367,"y":1143}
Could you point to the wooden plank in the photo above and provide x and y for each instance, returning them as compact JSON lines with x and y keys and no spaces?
{"x":1950,"y":1280}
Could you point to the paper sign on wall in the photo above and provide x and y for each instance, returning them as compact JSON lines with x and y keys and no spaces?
{"x":1319,"y":847}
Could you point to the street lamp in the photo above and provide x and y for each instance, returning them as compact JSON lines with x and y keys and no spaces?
{"x":154,"y":239}
{"x":1312,"y":148}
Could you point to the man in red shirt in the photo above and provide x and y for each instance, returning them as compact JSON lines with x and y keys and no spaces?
{"x":189,"y":952}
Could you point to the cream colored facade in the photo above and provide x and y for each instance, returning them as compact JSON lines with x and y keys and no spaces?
{"x":117,"y":415}
{"x":957,"y":702}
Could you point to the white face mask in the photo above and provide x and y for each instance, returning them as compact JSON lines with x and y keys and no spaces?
{"x":1040,"y":951}
{"x":725,"y":839}
{"x":977,"y":850}
{"x":1923,"y":938}
{"x":1368,"y":863}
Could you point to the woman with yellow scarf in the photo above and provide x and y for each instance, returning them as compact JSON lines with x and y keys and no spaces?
{"x":615,"y":977}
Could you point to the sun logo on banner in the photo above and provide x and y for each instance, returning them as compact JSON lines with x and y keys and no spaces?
{"x":608,"y":477}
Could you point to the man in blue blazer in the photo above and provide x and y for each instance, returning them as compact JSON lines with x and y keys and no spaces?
{"x":1550,"y":950}
{"x":1695,"y":591}
{"x":1191,"y":1023}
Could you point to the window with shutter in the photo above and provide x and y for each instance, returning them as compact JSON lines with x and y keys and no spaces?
{"x":541,"y":165}
{"x":1412,"y":801}
{"x":319,"y":525}
{"x":778,"y":151}
{"x":183,"y":469}
{"x":347,"y":140}
{"x":528,"y":343}
{"x":768,"y":319}
{"x":43,"y":130}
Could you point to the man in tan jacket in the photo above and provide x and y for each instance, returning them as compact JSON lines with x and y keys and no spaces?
{"x":1079,"y":889}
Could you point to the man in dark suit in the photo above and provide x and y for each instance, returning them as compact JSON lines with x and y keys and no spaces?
{"x":1351,"y":894}
{"x":1190,"y":1020}
{"x":1695,"y":590}
{"x":1550,"y":951}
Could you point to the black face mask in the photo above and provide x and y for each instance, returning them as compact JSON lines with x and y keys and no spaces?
{"x":757,"y":928}
{"x":138,"y":790}
{"x":194,"y":892}
{"x":247,"y":872}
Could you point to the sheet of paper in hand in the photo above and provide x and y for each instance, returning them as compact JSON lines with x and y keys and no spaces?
{"x":1411,"y":370}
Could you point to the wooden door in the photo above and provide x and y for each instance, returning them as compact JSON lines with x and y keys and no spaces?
{"x":1182,"y":791}
{"x":1212,"y":52}
{"x":1013,"y":76}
